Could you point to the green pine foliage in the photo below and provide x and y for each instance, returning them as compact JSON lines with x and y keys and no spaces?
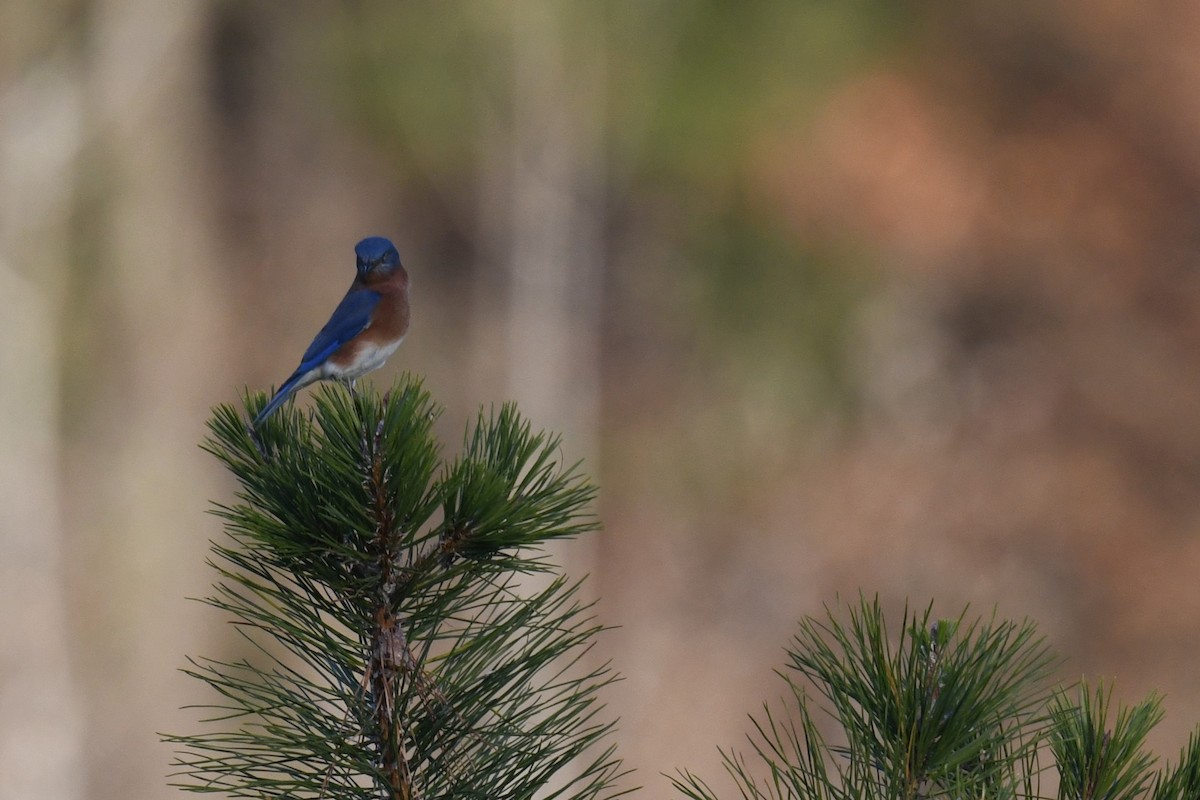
{"x":393,"y":647}
{"x":953,"y":709}
{"x":1183,"y":780}
{"x":1095,"y":760}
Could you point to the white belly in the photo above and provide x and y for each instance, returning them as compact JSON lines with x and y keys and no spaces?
{"x":369,"y":357}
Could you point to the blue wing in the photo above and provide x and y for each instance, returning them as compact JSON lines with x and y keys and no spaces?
{"x":350,"y":318}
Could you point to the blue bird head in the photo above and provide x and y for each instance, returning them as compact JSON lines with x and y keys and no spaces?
{"x":375,"y":253}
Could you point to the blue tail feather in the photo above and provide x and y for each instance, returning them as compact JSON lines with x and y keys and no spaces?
{"x":285,"y":391}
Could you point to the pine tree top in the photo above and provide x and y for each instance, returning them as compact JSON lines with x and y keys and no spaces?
{"x":391,"y":646}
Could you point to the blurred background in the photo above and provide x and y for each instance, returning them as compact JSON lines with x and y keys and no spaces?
{"x":900,"y":297}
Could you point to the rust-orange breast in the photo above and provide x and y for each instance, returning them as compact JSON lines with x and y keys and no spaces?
{"x":389,"y":323}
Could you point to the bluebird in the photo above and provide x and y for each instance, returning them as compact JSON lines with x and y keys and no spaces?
{"x":366,"y":327}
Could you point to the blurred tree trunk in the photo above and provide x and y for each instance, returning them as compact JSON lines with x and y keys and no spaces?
{"x":543,"y":217}
{"x":556,"y":254}
{"x":152,"y":320}
{"x":42,"y":724}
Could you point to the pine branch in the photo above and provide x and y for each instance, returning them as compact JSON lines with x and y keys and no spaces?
{"x":949,"y":708}
{"x":1183,"y":781}
{"x":392,"y":649}
{"x":1095,"y":761}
